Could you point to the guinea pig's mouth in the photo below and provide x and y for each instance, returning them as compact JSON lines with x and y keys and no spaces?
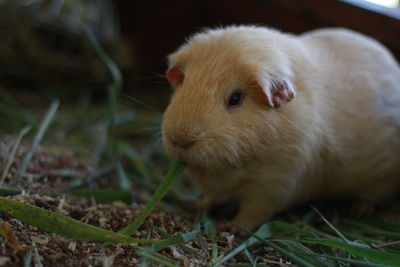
{"x":200,"y":154}
{"x":180,"y":154}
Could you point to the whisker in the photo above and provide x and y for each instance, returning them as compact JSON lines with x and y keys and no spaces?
{"x":159,"y":75}
{"x":140,"y":102}
{"x":158,"y":141}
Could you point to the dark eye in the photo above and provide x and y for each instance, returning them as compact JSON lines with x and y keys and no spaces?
{"x":235,"y":99}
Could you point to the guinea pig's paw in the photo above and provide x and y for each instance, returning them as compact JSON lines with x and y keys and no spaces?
{"x":363,"y":209}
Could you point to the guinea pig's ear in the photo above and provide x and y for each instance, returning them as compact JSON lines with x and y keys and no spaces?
{"x":175,"y":75}
{"x":276,"y":92}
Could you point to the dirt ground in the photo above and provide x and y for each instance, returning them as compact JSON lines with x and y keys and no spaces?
{"x":46,"y":249}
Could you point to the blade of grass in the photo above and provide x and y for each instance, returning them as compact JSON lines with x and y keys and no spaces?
{"x":337,"y":259}
{"x":337,"y":232}
{"x":375,"y":255}
{"x":28,"y":259}
{"x":263,"y":232}
{"x":211,"y":231}
{"x":63,"y":225}
{"x":270,"y":229}
{"x":173,"y":240}
{"x":250,"y":257}
{"x":38,"y":138}
{"x":279,"y":227}
{"x":302,"y":251}
{"x":372,"y":230}
{"x":123,"y":179}
{"x":352,"y":261}
{"x":145,"y":175}
{"x":184,"y":239}
{"x":101,"y":135}
{"x":174,"y":173}
{"x":116,"y":87}
{"x":156,"y":259}
{"x":290,"y":255}
{"x":351,"y":235}
{"x":392,"y":243}
{"x":128,"y":150}
{"x":38,"y":262}
{"x":11,"y":156}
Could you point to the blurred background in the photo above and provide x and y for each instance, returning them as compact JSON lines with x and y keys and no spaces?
{"x":45,"y":50}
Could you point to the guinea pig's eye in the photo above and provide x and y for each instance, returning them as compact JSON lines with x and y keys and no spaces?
{"x":235,"y":99}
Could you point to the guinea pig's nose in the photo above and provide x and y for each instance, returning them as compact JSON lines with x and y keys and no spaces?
{"x":182,"y":143}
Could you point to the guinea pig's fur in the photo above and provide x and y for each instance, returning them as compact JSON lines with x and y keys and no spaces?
{"x":318,"y":117}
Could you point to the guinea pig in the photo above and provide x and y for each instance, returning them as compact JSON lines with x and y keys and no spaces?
{"x":269,"y":120}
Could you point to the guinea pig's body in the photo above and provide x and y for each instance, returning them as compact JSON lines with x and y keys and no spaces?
{"x":269,"y":120}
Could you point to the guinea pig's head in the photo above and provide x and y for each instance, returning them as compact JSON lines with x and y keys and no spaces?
{"x":230,"y":87}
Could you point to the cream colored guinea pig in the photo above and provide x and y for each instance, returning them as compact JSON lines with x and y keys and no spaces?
{"x":268,"y":120}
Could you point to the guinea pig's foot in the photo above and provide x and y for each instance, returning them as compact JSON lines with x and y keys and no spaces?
{"x":363,"y":209}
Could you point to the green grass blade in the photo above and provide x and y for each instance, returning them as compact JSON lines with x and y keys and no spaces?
{"x":174,"y":173}
{"x":209,"y":226}
{"x":337,"y":232}
{"x":263,"y":232}
{"x":267,"y":231}
{"x":250,"y":257}
{"x":123,"y":178}
{"x":38,"y":138}
{"x":378,"y":256}
{"x":372,"y":230}
{"x":28,"y":259}
{"x":352,"y":261}
{"x":116,"y":88}
{"x":156,"y":259}
{"x":11,"y":156}
{"x":37,"y":257}
{"x":126,"y":149}
{"x":279,"y":227}
{"x":270,"y":229}
{"x":173,"y":240}
{"x":290,"y":255}
{"x":180,"y":243}
{"x":303,"y":252}
{"x":65,"y":226}
{"x":211,"y":231}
